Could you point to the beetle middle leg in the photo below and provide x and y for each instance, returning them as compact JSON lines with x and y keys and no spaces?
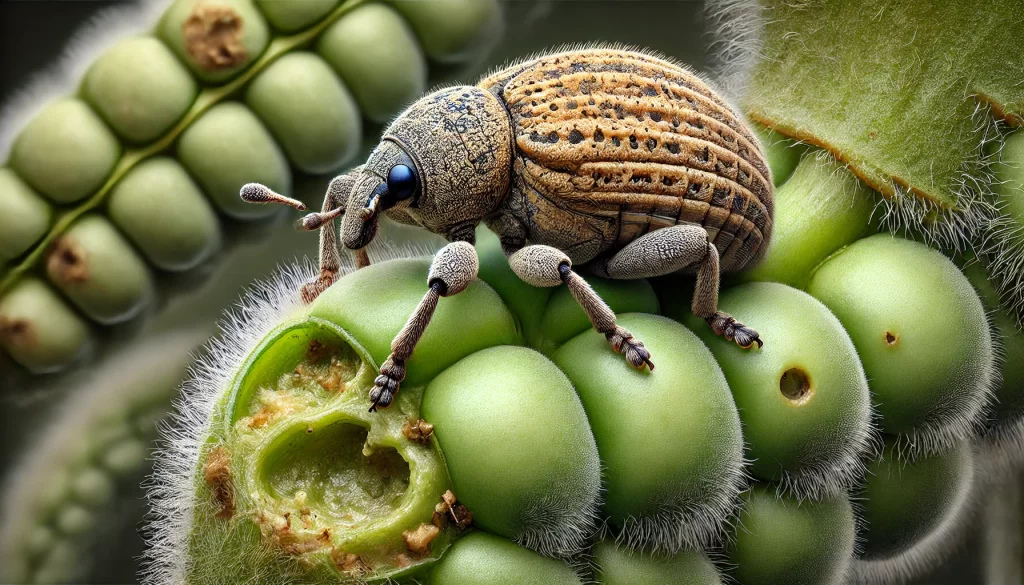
{"x":546,"y":266}
{"x":674,"y":248}
{"x":454,"y":267}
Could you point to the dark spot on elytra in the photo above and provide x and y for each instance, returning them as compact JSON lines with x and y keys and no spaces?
{"x":575,"y":137}
{"x":718,"y":197}
{"x":667,"y":181}
{"x":616,"y":141}
{"x":694,"y":188}
{"x":605,"y":105}
{"x":620,"y":112}
{"x":650,"y":91}
{"x":591,"y":101}
{"x":553,"y":137}
{"x":737,"y":204}
{"x":672,"y":147}
{"x":553,"y":107}
{"x":598,"y":135}
{"x":632,"y":141}
{"x":704,"y":155}
{"x":652,"y":144}
{"x":656,"y":116}
{"x":572,"y":105}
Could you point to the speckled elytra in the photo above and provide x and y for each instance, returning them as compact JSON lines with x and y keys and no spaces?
{"x":615,"y":160}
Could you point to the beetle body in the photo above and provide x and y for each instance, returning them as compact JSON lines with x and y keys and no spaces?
{"x":613,"y":159}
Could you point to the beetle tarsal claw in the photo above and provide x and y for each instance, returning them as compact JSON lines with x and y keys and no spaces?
{"x":385,"y":386}
{"x":622,"y":341}
{"x":725,"y":325}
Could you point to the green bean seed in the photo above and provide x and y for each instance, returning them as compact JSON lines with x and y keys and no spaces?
{"x":92,"y":487}
{"x":376,"y":53}
{"x":164,"y":213}
{"x":217,"y":38}
{"x":292,"y":15}
{"x":24,"y":216}
{"x":783,"y":154}
{"x":1009,"y":185}
{"x":484,"y":559}
{"x":74,"y":519}
{"x":904,"y":501}
{"x":309,"y":111}
{"x":780,"y":540}
{"x":668,"y":442}
{"x":803,"y":397}
{"x":450,"y":30}
{"x":920,"y":330}
{"x":99,"y":271}
{"x":617,"y":566}
{"x":125,"y":457}
{"x":38,"y":329}
{"x":66,"y":151}
{"x":228,"y":147}
{"x":40,"y":540}
{"x":140,"y":88}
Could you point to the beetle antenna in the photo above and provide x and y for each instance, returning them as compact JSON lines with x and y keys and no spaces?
{"x":314,"y":221}
{"x":256,"y":193}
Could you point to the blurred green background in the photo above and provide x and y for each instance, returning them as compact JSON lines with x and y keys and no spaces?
{"x":32,"y":36}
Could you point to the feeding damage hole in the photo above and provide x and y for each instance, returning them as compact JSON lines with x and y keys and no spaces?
{"x":217,"y":474}
{"x":17,"y":332}
{"x":346,"y":484}
{"x":213,"y":37}
{"x":795,"y":385}
{"x":67,"y":261}
{"x":891,"y":339}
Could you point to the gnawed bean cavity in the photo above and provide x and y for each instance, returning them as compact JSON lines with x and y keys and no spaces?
{"x":99,"y":271}
{"x":140,"y":88}
{"x":216,"y":38}
{"x":803,"y":396}
{"x":780,"y":540}
{"x":24,"y":216}
{"x":228,"y":147}
{"x":164,"y":213}
{"x":309,"y":110}
{"x":376,"y":53}
{"x":38,"y":329}
{"x":670,"y":442}
{"x":617,"y":566}
{"x":921,"y":333}
{"x":485,"y":559}
{"x":66,"y":151}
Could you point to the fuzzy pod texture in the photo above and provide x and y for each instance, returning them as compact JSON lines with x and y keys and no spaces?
{"x":163,"y":78}
{"x":922,"y":334}
{"x":60,"y":502}
{"x":803,"y":397}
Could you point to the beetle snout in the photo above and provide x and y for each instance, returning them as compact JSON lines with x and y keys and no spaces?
{"x":359,"y":225}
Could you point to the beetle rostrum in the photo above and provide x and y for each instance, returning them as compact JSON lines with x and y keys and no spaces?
{"x":616,"y":162}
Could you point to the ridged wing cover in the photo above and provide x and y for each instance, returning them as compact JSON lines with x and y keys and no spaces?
{"x":612,"y":144}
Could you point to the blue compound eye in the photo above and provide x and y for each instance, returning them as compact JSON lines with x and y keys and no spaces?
{"x":401,"y":182}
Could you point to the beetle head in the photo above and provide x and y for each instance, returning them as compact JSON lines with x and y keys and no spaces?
{"x":444,"y":163}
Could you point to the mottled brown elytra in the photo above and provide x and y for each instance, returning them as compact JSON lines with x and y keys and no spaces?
{"x":618,"y":161}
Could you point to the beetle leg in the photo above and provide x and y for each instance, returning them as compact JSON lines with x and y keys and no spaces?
{"x":453,"y":268}
{"x":673,"y":248}
{"x":546,"y":266}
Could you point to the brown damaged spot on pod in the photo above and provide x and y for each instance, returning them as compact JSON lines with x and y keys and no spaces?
{"x":451,"y":508}
{"x":17,"y":332}
{"x":418,"y":431}
{"x":217,"y":474}
{"x":274,"y":406}
{"x":350,"y":564}
{"x":213,"y":37}
{"x":67,"y":262}
{"x":418,"y":541}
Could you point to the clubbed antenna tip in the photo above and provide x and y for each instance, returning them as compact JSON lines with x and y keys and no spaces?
{"x":256,"y":193}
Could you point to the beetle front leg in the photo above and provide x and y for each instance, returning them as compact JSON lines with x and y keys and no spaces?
{"x":334,"y":204}
{"x":454,"y":267}
{"x":546,"y":266}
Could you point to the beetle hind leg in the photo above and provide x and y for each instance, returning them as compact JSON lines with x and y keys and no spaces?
{"x":674,"y":248}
